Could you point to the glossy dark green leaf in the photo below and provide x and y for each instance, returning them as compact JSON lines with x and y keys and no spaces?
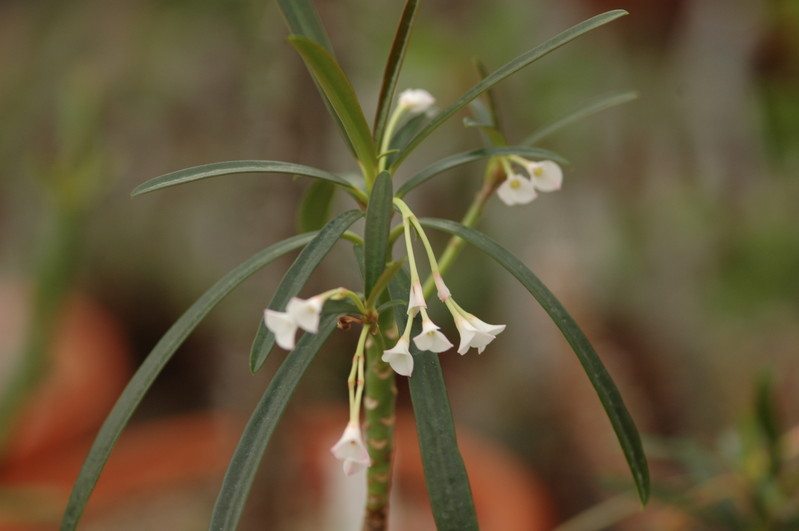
{"x":623,"y":424}
{"x":445,"y":474}
{"x":217,"y":169}
{"x":505,"y":71}
{"x":314,"y":209}
{"x":393,"y":67}
{"x":460,"y":159}
{"x":152,"y":366}
{"x":334,"y":83}
{"x":256,"y":435}
{"x":606,"y":102}
{"x":375,"y":233}
{"x":296,"y":277}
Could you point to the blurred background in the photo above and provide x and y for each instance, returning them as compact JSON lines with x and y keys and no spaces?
{"x":674,"y":243}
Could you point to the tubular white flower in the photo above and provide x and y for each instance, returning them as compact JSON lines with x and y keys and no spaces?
{"x":283,"y":326}
{"x":430,"y":338}
{"x":516,"y":190}
{"x":475,"y":333}
{"x":443,"y":290}
{"x":351,"y":450}
{"x":400,"y":357}
{"x":305,"y":313}
{"x":545,"y":175}
{"x":416,"y":299}
{"x":471,"y":336}
{"x":416,"y":100}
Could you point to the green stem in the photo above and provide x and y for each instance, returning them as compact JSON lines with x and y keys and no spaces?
{"x":379,"y":405}
{"x":493,"y":178}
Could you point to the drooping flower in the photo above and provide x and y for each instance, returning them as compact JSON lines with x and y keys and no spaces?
{"x":474,"y":332}
{"x":399,"y":357}
{"x":516,"y":190}
{"x":416,"y":100}
{"x":416,"y":299}
{"x":431,"y":338}
{"x":442,"y":289}
{"x":546,"y":175}
{"x":306,"y":313}
{"x":351,"y":450}
{"x":283,"y":325}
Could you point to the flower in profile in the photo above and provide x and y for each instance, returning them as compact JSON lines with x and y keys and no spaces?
{"x":306,"y":312}
{"x":416,"y":299}
{"x":516,"y":190}
{"x":400,"y":357}
{"x":351,"y":450}
{"x":416,"y":100}
{"x":430,"y":338}
{"x":300,"y":313}
{"x":283,"y":325}
{"x":474,"y":332}
{"x":546,"y":175}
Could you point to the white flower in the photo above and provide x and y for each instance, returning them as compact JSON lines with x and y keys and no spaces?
{"x":283,"y":326}
{"x":416,"y":100}
{"x":545,"y":175}
{"x":443,"y":290}
{"x":400,"y":357}
{"x":516,"y":190}
{"x":431,"y":339}
{"x":306,"y":312}
{"x":475,"y":333}
{"x":416,"y":299}
{"x":351,"y":450}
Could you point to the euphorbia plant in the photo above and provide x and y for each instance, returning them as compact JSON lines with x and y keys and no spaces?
{"x":389,"y":310}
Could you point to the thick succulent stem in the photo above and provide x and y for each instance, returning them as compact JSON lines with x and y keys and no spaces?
{"x":379,"y":404}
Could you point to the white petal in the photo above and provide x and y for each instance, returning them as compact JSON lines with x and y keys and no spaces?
{"x":546,"y":175}
{"x":443,"y":290}
{"x":305,"y":312}
{"x":516,"y":190}
{"x":416,"y":298}
{"x":431,"y":339}
{"x":416,"y":100}
{"x":283,"y":326}
{"x":483,"y":326}
{"x":399,"y":358}
{"x":471,"y":337}
{"x":351,"y":450}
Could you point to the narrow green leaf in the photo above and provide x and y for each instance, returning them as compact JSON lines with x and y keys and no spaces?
{"x":460,"y":159}
{"x":152,"y":366}
{"x":609,"y":395}
{"x":447,"y":481}
{"x":302,"y":19}
{"x":375,"y":232}
{"x":314,"y":209}
{"x":505,"y":71}
{"x":296,"y":277}
{"x":393,"y":67}
{"x":594,"y":107}
{"x":234,"y":167}
{"x":256,"y":435}
{"x":331,"y":78}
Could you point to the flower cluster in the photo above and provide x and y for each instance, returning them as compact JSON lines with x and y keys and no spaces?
{"x":305,"y":314}
{"x":474,"y":332}
{"x":518,"y":189}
